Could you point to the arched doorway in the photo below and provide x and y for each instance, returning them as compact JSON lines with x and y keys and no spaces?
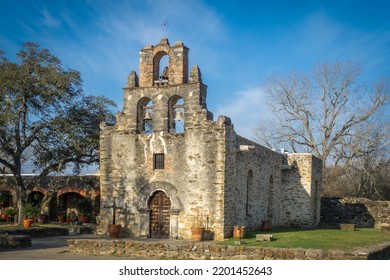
{"x":159,"y":205}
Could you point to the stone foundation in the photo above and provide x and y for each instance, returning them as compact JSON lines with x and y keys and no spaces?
{"x":210,"y":251}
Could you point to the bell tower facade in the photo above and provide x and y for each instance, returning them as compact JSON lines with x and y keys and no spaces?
{"x":161,"y":150}
{"x":170,"y":167}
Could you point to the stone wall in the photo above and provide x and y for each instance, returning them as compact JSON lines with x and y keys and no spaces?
{"x":205,"y":251}
{"x":301,"y":189}
{"x":8,"y":241}
{"x":253,"y":185}
{"x":359,"y":211}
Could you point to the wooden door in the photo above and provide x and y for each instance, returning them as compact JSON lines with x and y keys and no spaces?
{"x":159,"y":206}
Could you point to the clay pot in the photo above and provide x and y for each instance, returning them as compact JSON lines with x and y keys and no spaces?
{"x":61,"y":218}
{"x":266,"y":226}
{"x":114,"y":230}
{"x":27,"y":223}
{"x":197,"y":233}
{"x":83,"y":219}
{"x":239,"y":232}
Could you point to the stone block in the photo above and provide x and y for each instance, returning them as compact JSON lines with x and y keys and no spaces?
{"x":385,"y":227}
{"x":348,"y":227}
{"x":264,"y":237}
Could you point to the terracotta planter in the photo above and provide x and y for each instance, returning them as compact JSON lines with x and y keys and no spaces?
{"x":239,"y":232}
{"x":266,"y":226}
{"x":197,"y":233}
{"x":83,"y":219}
{"x":27,"y":223}
{"x":61,"y":218}
{"x":10,"y":219}
{"x":114,"y":230}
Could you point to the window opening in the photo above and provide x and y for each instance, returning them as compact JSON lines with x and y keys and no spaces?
{"x":270,"y":197}
{"x":249,"y":183}
{"x":158,"y":161}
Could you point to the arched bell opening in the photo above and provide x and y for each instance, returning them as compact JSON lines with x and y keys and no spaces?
{"x":145,"y":116}
{"x":176,"y":114}
{"x":161,"y":68}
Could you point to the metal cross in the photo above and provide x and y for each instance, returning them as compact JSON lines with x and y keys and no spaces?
{"x":114,"y":208}
{"x":164,"y":26}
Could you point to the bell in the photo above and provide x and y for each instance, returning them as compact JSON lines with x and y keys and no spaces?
{"x":148,"y":116}
{"x":179,"y":116}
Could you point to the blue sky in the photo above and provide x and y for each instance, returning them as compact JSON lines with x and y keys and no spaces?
{"x":237,"y":44}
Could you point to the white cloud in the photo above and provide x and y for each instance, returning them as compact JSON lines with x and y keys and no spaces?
{"x":48,"y":19}
{"x":246,"y":109}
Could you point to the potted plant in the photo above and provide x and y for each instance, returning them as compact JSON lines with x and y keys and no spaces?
{"x":197,"y":230}
{"x":29,"y":212}
{"x":3,"y":215}
{"x":85,"y":208}
{"x":10,"y":213}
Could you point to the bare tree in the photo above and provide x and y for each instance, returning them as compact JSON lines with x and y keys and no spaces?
{"x":324,"y":113}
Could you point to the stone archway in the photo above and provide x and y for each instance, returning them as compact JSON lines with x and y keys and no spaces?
{"x":144,"y":211}
{"x":159,"y":205}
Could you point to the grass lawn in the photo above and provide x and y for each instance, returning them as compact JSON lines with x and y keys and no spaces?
{"x":318,"y":238}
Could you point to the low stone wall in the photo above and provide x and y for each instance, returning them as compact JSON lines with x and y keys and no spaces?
{"x":209,"y":251}
{"x":8,"y":241}
{"x":38,"y":231}
{"x":359,"y":211}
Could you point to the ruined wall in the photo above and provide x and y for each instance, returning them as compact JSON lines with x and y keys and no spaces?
{"x":359,"y":211}
{"x":301,"y":183}
{"x":256,"y":180}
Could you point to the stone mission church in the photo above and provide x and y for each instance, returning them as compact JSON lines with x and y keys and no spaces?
{"x":169,"y":165}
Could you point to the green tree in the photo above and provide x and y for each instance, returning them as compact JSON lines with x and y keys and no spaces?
{"x":45,"y":118}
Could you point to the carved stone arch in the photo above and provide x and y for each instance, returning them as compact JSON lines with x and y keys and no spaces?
{"x":78,"y":190}
{"x":168,"y":188}
{"x":41,"y":190}
{"x":145,"y":212}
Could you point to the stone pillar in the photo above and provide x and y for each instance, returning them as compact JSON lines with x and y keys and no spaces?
{"x":145,"y":222}
{"x":174,"y":223}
